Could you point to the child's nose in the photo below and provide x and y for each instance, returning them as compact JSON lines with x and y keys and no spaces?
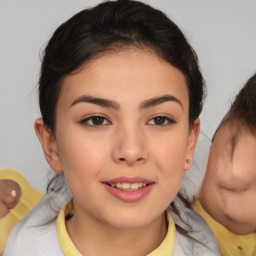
{"x":130,"y":146}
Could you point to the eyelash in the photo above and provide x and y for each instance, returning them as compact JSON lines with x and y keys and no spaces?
{"x":166,"y":121}
{"x":89,"y":121}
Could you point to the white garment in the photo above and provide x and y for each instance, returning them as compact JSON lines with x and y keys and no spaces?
{"x":36,"y":234}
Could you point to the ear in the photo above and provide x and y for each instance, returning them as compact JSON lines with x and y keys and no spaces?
{"x":49,"y":145}
{"x":192,"y":139}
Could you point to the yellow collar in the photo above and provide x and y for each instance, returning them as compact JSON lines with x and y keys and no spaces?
{"x":166,"y":247}
{"x":67,"y":246}
{"x":229,"y":243}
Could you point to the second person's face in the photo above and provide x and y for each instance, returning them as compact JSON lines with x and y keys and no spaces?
{"x":230,"y":180}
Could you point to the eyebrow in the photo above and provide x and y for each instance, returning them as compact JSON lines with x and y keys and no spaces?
{"x":159,"y":100}
{"x":98,"y":101}
{"x":113,"y":104}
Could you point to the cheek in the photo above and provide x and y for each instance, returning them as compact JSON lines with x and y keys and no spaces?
{"x":81,"y":160}
{"x":169,"y":159}
{"x":81,"y":154}
{"x":245,"y":164}
{"x":170,"y":154}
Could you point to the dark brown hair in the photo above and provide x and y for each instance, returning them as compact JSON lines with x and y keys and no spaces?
{"x":113,"y":26}
{"x":243,"y":109}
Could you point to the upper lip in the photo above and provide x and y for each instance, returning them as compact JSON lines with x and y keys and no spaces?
{"x":129,"y":180}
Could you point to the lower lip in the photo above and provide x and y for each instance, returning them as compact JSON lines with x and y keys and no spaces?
{"x":130,"y":196}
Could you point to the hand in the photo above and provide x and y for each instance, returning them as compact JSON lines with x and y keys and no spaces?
{"x":10,"y":193}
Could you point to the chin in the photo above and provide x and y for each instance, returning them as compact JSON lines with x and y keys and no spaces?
{"x":128,"y":224}
{"x":129,"y":219}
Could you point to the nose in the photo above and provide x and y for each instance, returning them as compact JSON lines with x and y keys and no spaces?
{"x":129,"y":146}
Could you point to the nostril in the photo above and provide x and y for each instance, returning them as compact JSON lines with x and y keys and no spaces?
{"x":123,"y":159}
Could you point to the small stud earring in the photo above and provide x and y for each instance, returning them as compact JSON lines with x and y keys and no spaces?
{"x":188,"y":161}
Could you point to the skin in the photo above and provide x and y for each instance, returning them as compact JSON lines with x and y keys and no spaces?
{"x":229,"y":187}
{"x":128,"y":143}
{"x":7,"y":200}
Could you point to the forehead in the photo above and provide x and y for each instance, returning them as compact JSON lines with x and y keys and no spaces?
{"x":133,"y":71}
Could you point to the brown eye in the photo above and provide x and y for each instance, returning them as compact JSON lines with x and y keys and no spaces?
{"x":161,"y":121}
{"x":98,"y":120}
{"x":95,"y":121}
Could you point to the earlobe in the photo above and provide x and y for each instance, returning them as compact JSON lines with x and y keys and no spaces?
{"x":49,"y":145}
{"x":192,"y":139}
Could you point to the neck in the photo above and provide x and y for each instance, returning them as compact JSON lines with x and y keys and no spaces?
{"x":92,"y":237}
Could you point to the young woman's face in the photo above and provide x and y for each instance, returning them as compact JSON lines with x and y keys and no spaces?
{"x":122,"y":137}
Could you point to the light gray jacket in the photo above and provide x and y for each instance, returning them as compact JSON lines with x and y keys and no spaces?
{"x":36,"y":234}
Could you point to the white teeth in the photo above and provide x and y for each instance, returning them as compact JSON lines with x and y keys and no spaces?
{"x":128,"y":186}
{"x":134,"y":186}
{"x":118,"y":185}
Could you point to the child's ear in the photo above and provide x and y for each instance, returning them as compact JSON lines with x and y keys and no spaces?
{"x":49,"y":145}
{"x":192,"y":139}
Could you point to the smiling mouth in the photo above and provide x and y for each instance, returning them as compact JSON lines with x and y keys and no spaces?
{"x":129,"y":189}
{"x":128,"y":186}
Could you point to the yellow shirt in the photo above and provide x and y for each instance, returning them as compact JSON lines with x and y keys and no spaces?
{"x":164,"y":249}
{"x":28,"y":199}
{"x":229,"y":243}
